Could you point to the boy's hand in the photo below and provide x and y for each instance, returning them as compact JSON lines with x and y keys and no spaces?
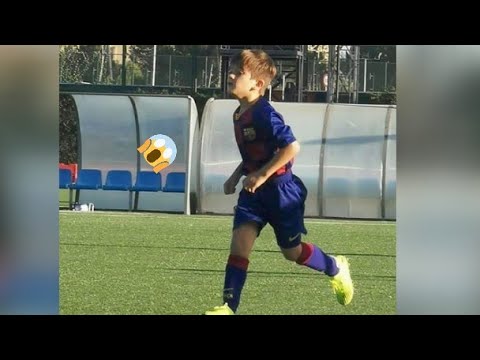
{"x":229,"y":186}
{"x":253,"y":181}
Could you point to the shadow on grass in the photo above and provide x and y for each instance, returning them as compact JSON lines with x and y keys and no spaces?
{"x":199,"y":248}
{"x":275,"y":273}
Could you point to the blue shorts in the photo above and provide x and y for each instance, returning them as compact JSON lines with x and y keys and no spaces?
{"x":279,"y":202}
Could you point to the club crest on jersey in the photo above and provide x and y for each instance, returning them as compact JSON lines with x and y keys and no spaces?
{"x":249,"y":134}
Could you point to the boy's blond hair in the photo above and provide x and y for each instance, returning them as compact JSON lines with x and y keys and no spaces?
{"x":259,"y":63}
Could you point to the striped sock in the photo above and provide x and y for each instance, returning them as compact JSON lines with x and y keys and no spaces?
{"x":314,"y":258}
{"x":235,"y":276}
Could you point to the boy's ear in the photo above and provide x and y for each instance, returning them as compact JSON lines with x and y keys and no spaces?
{"x":260,"y":84}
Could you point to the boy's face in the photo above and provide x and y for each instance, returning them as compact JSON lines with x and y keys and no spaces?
{"x":241,"y":84}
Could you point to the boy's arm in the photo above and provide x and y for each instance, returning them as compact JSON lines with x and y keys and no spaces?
{"x":283,"y":139}
{"x":237,"y":174}
{"x":284,"y":155}
{"x":232,"y":181}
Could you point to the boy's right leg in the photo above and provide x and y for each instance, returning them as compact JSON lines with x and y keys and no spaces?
{"x":241,"y":246}
{"x":243,"y":239}
{"x":249,"y":220}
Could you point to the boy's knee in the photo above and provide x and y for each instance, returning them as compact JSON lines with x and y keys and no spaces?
{"x":291,"y":254}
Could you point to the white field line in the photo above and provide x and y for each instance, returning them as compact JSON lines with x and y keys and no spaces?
{"x":227,"y":218}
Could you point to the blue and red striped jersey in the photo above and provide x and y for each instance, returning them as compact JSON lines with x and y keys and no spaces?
{"x":260,"y":132}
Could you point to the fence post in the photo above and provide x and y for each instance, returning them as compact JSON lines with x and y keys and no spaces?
{"x":154,"y":64}
{"x":386,"y":74}
{"x":169,"y":70}
{"x":124,"y":65}
{"x":365,"y":75}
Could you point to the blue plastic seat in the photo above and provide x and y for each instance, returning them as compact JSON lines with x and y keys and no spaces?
{"x":175,"y":182}
{"x":148,"y":181}
{"x":65,"y":178}
{"x":118,"y":180}
{"x":65,"y":182}
{"x":90,"y":179}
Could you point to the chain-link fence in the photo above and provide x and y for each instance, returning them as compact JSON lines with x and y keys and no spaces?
{"x":102,"y":64}
{"x":373,"y":76}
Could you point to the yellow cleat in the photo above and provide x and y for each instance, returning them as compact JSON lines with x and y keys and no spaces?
{"x":220,"y":310}
{"x":342,"y":282}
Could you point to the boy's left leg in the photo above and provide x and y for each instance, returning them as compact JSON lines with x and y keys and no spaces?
{"x":287,"y":201}
{"x":337,"y":267}
{"x":310,"y":255}
{"x":288,"y":224}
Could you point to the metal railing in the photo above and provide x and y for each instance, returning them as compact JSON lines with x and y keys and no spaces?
{"x":183,"y":71}
{"x":170,"y":70}
{"x":374,"y":76}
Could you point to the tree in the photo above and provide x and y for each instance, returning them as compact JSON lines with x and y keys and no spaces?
{"x":67,"y":130}
{"x":320,"y":52}
{"x":87,"y":63}
{"x":75,"y":63}
{"x":181,"y":70}
{"x":143,"y":54}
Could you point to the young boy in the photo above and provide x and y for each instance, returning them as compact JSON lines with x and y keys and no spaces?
{"x":271,"y":193}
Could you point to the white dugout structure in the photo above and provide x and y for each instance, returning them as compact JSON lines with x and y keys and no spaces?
{"x":347,"y":159}
{"x":112,"y":127}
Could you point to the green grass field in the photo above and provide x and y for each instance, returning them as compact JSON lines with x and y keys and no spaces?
{"x":124,"y":263}
{"x":63,"y":195}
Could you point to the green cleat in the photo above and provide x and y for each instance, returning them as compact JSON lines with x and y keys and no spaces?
{"x":342,"y":282}
{"x":220,"y":310}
